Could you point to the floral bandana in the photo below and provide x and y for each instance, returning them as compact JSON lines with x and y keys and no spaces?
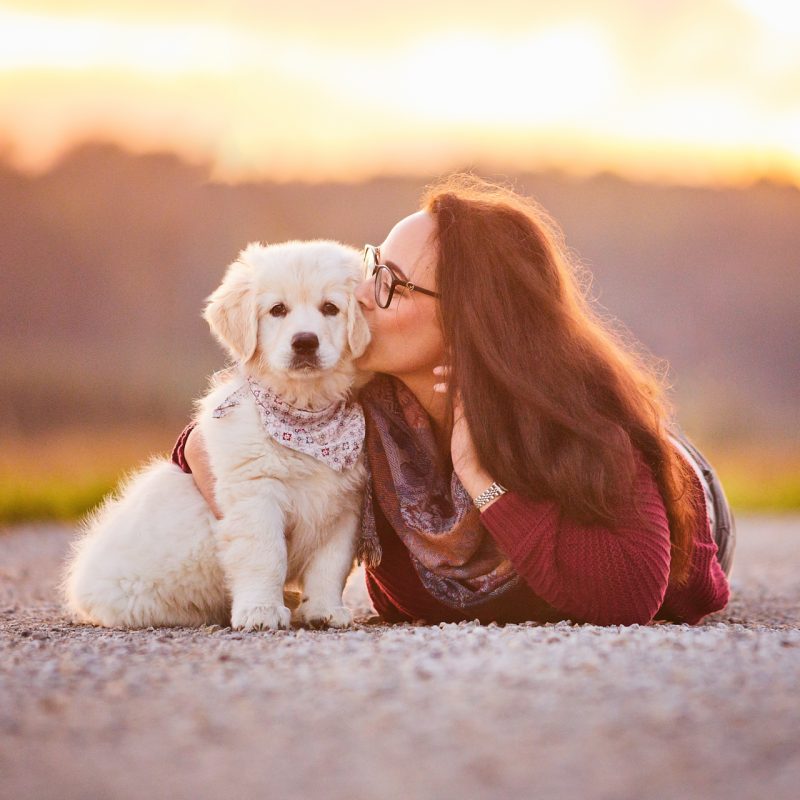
{"x":424,"y":502}
{"x":333,"y":435}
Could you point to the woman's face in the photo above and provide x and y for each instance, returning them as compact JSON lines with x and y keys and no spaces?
{"x":406,"y":337}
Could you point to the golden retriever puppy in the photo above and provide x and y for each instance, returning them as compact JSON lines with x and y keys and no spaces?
{"x":285,"y":442}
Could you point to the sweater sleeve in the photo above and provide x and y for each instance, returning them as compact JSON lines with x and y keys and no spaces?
{"x":707,"y":589}
{"x":590,"y":573}
{"x":178,"y":456}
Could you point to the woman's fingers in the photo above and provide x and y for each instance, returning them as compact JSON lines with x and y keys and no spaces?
{"x":442,"y":370}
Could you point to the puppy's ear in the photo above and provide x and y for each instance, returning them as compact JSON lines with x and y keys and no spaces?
{"x":358,"y":333}
{"x":231,"y":311}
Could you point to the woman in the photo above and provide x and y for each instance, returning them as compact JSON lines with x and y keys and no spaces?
{"x":522,"y":461}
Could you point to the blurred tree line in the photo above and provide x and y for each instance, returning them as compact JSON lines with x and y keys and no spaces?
{"x":107,"y":258}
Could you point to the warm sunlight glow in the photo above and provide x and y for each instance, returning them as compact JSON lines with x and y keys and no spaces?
{"x":781,"y":17}
{"x":31,"y":42}
{"x":707,"y":94}
{"x":552,"y":75}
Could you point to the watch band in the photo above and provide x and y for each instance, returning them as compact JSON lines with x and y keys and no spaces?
{"x":495,"y":490}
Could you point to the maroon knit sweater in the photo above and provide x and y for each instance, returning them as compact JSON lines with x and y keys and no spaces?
{"x":584,"y":573}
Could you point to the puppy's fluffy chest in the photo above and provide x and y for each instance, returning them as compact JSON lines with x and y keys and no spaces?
{"x":241,"y":451}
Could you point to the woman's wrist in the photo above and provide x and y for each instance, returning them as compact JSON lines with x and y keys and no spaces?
{"x":489,"y":504}
{"x":490,"y":495}
{"x":476,"y":481}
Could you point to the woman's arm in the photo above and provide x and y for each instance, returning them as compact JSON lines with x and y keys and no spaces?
{"x":604,"y":576}
{"x":190,"y":455}
{"x":708,"y":589}
{"x":594,"y":574}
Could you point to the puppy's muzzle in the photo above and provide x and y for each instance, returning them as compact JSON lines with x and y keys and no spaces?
{"x":304,"y":350}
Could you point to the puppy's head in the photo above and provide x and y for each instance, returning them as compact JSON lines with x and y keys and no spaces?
{"x":290,"y":308}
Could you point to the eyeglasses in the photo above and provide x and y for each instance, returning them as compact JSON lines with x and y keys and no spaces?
{"x":385,"y":279}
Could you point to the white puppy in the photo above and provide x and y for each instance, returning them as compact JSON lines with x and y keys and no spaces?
{"x":284,"y":440}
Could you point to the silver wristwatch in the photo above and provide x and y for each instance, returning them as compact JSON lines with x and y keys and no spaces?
{"x":495,"y":490}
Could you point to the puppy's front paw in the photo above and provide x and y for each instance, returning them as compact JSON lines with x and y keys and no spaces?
{"x":260,"y":618}
{"x":321,"y":615}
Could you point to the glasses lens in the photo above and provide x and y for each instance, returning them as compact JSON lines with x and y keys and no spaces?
{"x":383,"y":286}
{"x":369,"y":261}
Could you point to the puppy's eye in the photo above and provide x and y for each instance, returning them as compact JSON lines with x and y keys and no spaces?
{"x":330,"y":310}
{"x":279,"y":310}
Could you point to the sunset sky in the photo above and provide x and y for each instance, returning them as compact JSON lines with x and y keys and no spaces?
{"x":680,"y":90}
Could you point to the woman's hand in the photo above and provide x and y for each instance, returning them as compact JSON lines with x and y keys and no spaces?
{"x":196,"y":455}
{"x":466,"y":465}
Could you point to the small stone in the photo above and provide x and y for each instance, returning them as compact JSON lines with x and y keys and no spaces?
{"x":210,"y":629}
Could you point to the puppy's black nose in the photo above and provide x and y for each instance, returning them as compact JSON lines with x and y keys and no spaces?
{"x":305,"y":342}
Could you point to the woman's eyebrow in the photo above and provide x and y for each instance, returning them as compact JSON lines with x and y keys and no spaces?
{"x":396,"y":269}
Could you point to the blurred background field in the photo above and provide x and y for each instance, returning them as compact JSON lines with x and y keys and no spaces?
{"x":111,"y":256}
{"x":662,"y":138}
{"x":60,"y":475}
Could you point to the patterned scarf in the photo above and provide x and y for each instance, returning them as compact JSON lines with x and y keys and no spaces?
{"x":334,"y":435}
{"x":425,"y":503}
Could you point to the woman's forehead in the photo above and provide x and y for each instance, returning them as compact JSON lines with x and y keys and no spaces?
{"x":410,"y":245}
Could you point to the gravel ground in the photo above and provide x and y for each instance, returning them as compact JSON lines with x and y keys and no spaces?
{"x":404,"y":711}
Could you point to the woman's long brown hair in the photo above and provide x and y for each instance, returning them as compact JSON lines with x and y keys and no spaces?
{"x":556,"y":396}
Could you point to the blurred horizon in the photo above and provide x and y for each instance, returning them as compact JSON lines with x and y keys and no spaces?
{"x":150,"y":236}
{"x":679,"y":92}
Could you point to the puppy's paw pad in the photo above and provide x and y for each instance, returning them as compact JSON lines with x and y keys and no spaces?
{"x":261,"y":618}
{"x":318,"y":615}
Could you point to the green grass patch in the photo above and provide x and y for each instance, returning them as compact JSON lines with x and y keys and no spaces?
{"x":67,"y":499}
{"x":50,"y":498}
{"x":779,"y":494}
{"x":62,"y":475}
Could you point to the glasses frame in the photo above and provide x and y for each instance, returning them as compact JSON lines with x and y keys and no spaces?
{"x":372,"y":255}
